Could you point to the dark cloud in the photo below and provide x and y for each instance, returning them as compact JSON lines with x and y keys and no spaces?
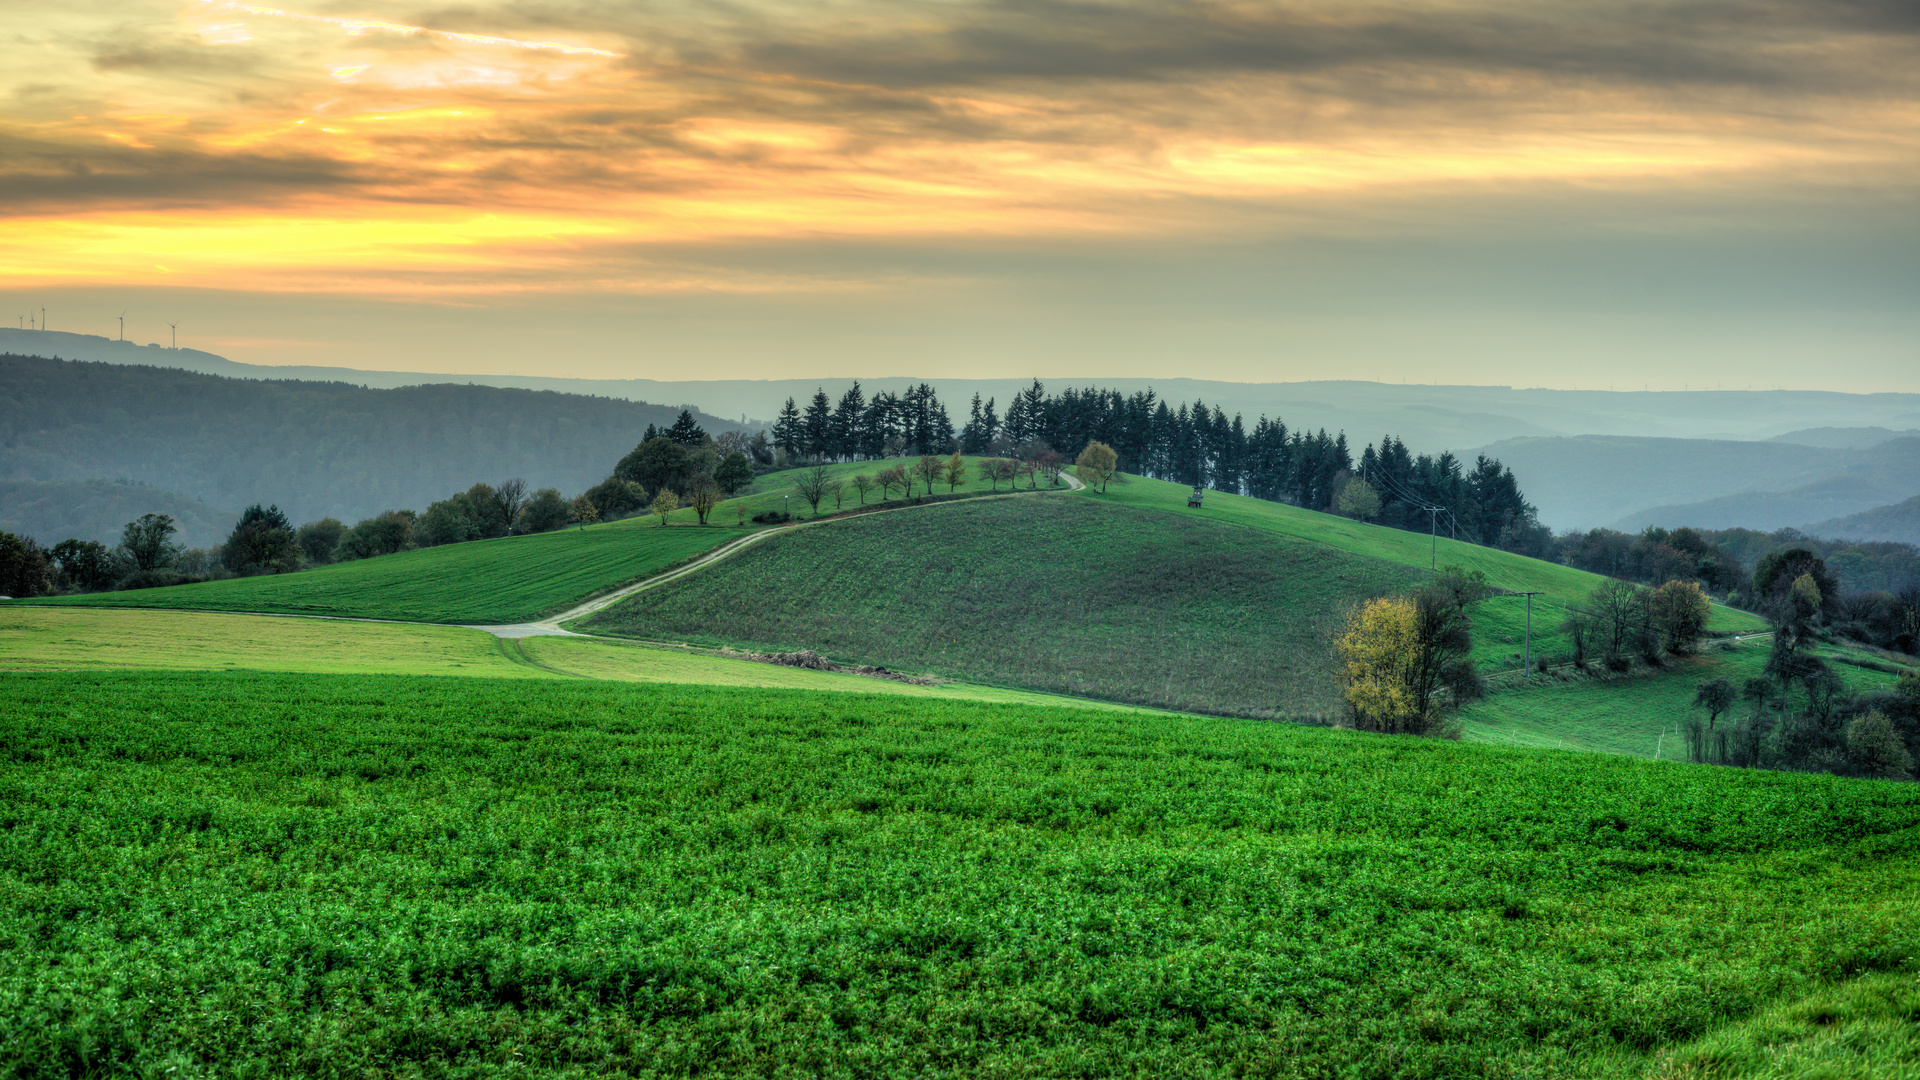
{"x":1762,"y":45}
{"x":38,"y":175}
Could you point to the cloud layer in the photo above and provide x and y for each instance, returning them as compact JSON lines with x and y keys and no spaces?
{"x":494,"y":148}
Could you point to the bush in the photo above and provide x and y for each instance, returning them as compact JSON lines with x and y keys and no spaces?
{"x":772,"y":517}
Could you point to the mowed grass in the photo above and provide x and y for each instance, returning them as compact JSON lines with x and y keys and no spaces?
{"x":1057,"y":594}
{"x":87,"y":639}
{"x":620,"y":661}
{"x":1500,"y":625}
{"x":293,"y":875}
{"x":1643,"y":714}
{"x":42,"y":639}
{"x":482,"y":582}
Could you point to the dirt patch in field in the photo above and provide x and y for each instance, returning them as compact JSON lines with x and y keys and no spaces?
{"x":813,"y":661}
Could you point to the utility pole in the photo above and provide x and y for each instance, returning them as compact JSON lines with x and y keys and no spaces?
{"x":1433,"y":538}
{"x":1528,"y":669}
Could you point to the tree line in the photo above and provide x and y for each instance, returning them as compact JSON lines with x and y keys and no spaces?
{"x":1869,"y":592}
{"x":1195,"y":444}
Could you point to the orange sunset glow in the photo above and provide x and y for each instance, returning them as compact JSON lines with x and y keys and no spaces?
{"x":250,"y":158}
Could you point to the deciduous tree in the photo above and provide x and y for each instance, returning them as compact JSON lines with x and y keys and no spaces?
{"x":512,"y":495}
{"x":1680,"y":611}
{"x":545,"y":511}
{"x":812,"y":485}
{"x":318,"y":539}
{"x":927,"y":470}
{"x":704,"y":496}
{"x":954,"y":472}
{"x":734,"y":474}
{"x":664,"y":503}
{"x":583,"y":511}
{"x":1095,"y":465}
{"x":862,"y":483}
{"x":1358,"y":500}
{"x":149,"y":541}
{"x":1401,"y":657}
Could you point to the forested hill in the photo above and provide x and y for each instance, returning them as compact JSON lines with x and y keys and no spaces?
{"x":315,"y":449}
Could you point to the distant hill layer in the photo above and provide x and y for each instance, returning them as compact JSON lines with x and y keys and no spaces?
{"x":1899,"y":522}
{"x":1429,"y":418}
{"x":315,"y":449}
{"x":1629,"y":483}
{"x":1867,"y":479}
{"x":56,"y":510}
{"x":1844,"y":438}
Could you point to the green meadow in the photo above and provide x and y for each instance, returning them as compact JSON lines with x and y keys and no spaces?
{"x":1057,"y":594}
{"x":236,"y":873}
{"x":1500,"y":624}
{"x":508,"y":580}
{"x":42,"y":639}
{"x":1642,"y":713}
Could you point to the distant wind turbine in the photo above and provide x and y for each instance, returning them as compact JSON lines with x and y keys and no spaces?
{"x":175,"y":327}
{"x":123,"y":326}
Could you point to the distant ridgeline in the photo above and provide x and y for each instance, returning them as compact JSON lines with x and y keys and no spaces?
{"x":316,"y":449}
{"x":1196,"y":444}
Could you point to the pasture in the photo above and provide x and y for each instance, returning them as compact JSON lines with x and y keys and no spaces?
{"x":344,"y":875}
{"x":1499,"y":624}
{"x":508,"y":580}
{"x":1643,"y":713}
{"x":1057,"y":594}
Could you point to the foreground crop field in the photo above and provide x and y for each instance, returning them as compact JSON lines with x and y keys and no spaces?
{"x":1499,"y":624}
{"x":386,"y":875}
{"x":1055,"y":593}
{"x":483,"y":582}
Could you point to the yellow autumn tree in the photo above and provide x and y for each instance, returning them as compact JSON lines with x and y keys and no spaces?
{"x":1403,"y":659}
{"x":1375,"y":653}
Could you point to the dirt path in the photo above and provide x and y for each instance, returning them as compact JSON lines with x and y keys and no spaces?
{"x":553,"y":625}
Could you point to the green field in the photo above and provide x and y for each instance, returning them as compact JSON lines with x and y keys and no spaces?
{"x":1631,"y":714}
{"x":69,"y":639}
{"x":1063,"y":595}
{"x":377,"y":875}
{"x":508,"y":580}
{"x":490,"y":582}
{"x":1499,"y":624}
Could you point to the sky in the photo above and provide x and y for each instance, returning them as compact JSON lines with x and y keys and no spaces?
{"x":1670,"y":195}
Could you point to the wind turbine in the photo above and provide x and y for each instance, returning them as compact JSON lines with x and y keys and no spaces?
{"x":175,"y":327}
{"x":123,"y":326}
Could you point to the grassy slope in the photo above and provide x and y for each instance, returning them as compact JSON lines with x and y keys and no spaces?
{"x":485,"y":581}
{"x":1628,"y":715}
{"x":380,"y":874}
{"x":40,"y":639}
{"x":1499,"y":624}
{"x":1059,"y":594}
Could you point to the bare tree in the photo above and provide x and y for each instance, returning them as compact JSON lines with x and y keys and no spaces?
{"x":927,"y":469}
{"x":891,"y":477}
{"x":704,"y":497}
{"x":812,"y":485}
{"x":512,"y":495}
{"x":862,"y":483}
